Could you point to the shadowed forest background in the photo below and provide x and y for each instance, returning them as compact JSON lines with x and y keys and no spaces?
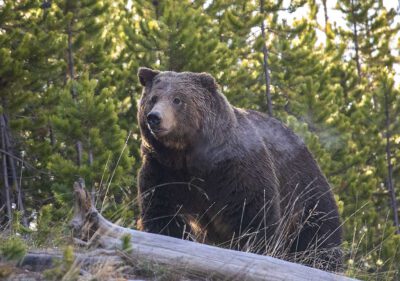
{"x":69,"y":92}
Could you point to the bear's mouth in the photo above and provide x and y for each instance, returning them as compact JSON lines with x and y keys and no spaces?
{"x":158,"y":132}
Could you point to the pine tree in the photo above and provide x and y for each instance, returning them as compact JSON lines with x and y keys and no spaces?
{"x":175,"y":35}
{"x":90,"y":143}
{"x":364,"y":104}
{"x":370,"y":29}
{"x":55,"y":50}
{"x":25,"y":67}
{"x":93,"y":120}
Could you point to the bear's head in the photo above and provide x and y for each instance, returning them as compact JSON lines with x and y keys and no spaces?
{"x":176,"y":109}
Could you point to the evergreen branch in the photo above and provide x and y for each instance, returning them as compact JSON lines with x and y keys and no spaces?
{"x":27,"y":164}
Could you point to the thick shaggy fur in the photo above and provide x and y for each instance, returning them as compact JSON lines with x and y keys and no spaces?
{"x":231,"y":177}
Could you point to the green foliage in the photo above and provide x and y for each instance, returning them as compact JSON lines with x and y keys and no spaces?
{"x":12,"y":248}
{"x":126,"y":245}
{"x":91,"y":119}
{"x":64,"y":269}
{"x":50,"y":226}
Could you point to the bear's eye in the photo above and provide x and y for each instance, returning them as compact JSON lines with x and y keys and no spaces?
{"x":176,"y":101}
{"x":154,"y":99}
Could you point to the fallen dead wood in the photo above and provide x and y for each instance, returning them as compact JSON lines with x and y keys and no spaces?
{"x":38,"y":261}
{"x":91,"y":228}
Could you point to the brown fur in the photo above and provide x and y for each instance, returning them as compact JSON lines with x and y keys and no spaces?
{"x":242,"y":178}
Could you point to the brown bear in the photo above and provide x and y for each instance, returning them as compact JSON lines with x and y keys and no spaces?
{"x":230,"y":177}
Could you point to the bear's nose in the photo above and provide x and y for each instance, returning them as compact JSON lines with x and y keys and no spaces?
{"x":154,"y":119}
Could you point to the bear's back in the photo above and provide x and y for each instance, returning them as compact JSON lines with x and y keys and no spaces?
{"x":294,"y":163}
{"x":278,"y":138}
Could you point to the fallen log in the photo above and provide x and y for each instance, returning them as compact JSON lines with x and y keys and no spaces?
{"x":91,"y":228}
{"x":38,"y":261}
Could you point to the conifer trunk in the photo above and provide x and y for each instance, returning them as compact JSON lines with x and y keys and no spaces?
{"x":71,"y":69}
{"x":52,"y":137}
{"x":7,"y":192}
{"x":325,"y":15}
{"x":265,"y":61}
{"x":93,"y":191}
{"x":355,"y":39}
{"x":71,"y":60}
{"x":9,"y":166}
{"x":390,"y":167}
{"x":12,"y":168}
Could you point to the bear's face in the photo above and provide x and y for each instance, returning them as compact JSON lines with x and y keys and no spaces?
{"x":172,"y":106}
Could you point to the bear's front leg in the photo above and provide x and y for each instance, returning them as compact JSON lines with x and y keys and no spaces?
{"x":246,"y":214}
{"x":160,"y":210}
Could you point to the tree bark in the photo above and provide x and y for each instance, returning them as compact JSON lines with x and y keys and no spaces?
{"x":5,"y":171}
{"x":51,"y":135}
{"x":71,"y":69}
{"x":265,"y":62}
{"x":93,"y":191}
{"x":325,"y":15}
{"x":355,"y":40}
{"x":12,"y":167}
{"x":43,"y":260}
{"x":390,"y":167}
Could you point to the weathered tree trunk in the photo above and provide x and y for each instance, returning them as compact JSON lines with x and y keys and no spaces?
{"x":42,"y":260}
{"x":181,"y":255}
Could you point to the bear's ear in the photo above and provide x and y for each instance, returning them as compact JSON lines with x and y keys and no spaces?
{"x":146,"y":75}
{"x":208,"y":82}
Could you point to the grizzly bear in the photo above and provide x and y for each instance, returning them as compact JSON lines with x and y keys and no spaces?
{"x":228,"y":176}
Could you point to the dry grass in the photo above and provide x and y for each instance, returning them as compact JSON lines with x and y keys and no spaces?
{"x":279,"y":244}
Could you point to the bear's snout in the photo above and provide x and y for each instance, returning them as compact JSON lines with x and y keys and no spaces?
{"x":154,"y":119}
{"x":160,"y":120}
